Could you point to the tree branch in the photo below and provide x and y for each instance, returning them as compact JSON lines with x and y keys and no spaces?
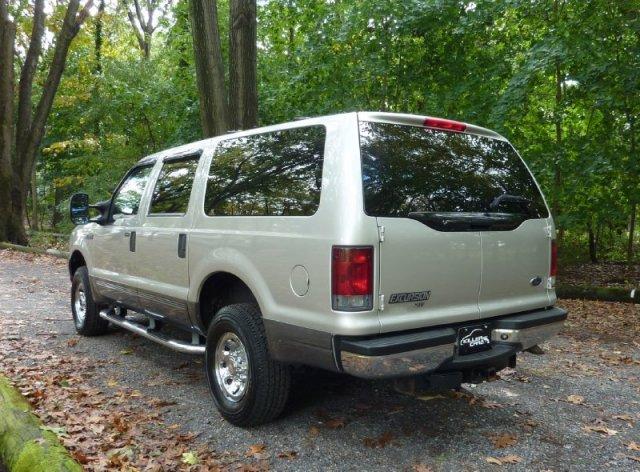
{"x":136,"y":30}
{"x":84,"y":13}
{"x":68,"y":31}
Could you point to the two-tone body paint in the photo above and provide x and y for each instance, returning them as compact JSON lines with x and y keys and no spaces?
{"x":470,"y":275}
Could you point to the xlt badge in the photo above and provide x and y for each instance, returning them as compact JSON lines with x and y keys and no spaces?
{"x":410,"y":297}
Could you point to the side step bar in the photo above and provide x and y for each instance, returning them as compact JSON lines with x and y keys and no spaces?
{"x":180,"y":346}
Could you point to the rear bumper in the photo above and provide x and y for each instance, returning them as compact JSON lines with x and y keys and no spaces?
{"x":435,"y":350}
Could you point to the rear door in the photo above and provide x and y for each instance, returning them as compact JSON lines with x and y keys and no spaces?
{"x":163,"y":241}
{"x":516,"y":261}
{"x":464,"y":224}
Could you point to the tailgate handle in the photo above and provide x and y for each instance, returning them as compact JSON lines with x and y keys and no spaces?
{"x":182,"y":245}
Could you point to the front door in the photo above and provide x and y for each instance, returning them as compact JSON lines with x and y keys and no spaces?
{"x":115,"y":243}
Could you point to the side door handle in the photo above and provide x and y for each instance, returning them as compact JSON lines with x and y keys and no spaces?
{"x":132,"y":241}
{"x":182,"y":245}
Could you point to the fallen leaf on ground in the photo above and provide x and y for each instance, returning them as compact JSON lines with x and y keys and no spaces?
{"x":600,"y":429}
{"x":503,"y":440}
{"x":510,"y":459}
{"x":379,"y":442}
{"x":624,"y":418}
{"x":633,"y":446}
{"x":256,"y":449}
{"x":112,"y":383}
{"x":490,"y":405}
{"x":189,"y":458}
{"x":421,"y":468}
{"x":335,"y":423}
{"x":575,"y":399}
{"x":426,"y":398}
{"x":287,"y":455}
{"x":72,"y":342}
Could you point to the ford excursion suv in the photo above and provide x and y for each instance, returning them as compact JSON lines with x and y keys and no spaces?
{"x":375,"y":244}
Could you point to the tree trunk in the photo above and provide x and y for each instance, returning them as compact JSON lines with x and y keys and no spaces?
{"x":7,"y":48}
{"x":214,"y":114}
{"x":633,"y":186}
{"x":17,"y":159}
{"x":97,"y":68}
{"x":35,"y":221}
{"x":56,"y":216}
{"x":632,"y":230}
{"x":243,"y":89}
{"x":557,"y":176}
{"x":593,"y":244}
{"x":557,"y":118}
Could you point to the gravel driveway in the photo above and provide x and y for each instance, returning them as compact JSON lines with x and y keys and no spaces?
{"x":575,"y":408}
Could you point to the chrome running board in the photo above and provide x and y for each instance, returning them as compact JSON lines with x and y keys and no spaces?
{"x":180,"y":346}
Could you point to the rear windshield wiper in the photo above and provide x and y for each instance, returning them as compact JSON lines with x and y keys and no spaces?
{"x":508,"y":198}
{"x":461,"y":221}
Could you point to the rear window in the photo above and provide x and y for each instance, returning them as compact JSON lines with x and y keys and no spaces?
{"x":268,"y":174}
{"x":408,"y":169}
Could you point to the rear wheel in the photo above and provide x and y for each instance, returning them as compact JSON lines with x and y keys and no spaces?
{"x":85,"y":311}
{"x":248,"y":387}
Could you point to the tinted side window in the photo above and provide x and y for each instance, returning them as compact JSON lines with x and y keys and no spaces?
{"x":278,"y":173}
{"x":173,"y":187}
{"x":126,"y":201}
{"x":412,"y":169}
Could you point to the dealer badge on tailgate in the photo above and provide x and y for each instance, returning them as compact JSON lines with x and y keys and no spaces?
{"x":474,"y":339}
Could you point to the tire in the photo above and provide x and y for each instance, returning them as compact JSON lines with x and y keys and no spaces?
{"x":90,"y":324}
{"x":263,"y":395}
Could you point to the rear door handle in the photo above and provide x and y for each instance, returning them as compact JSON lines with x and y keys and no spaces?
{"x":132,"y":241}
{"x":182,"y":245}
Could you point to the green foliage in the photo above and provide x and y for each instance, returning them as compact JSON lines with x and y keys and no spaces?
{"x":560,"y":79}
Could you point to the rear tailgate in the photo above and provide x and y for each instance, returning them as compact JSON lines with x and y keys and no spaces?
{"x":466,"y":230}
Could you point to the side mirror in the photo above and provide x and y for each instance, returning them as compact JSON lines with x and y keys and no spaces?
{"x":79,"y":208}
{"x":103,"y":208}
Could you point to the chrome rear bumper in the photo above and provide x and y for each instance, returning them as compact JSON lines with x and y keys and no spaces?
{"x":407,"y":354}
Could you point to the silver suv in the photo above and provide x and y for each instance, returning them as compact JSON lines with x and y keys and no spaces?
{"x":375,"y":244}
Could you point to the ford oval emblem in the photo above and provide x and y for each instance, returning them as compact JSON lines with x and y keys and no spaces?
{"x":536,"y":281}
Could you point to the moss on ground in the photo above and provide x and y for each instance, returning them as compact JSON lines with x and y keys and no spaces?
{"x":24,"y":445}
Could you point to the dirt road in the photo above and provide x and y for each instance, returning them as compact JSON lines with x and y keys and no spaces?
{"x":121,"y":401}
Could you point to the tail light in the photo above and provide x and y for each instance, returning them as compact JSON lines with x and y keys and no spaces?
{"x":352,"y":278}
{"x":447,"y":125}
{"x":553,"y":270}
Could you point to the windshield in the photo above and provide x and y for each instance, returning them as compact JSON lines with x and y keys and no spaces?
{"x":410,"y":169}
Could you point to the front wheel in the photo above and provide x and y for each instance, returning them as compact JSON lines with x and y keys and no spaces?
{"x":85,"y":311}
{"x":248,"y":387}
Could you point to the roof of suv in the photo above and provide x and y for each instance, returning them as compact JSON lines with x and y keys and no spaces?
{"x":383,"y":117}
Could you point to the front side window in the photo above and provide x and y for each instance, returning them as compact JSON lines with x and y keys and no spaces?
{"x":173,"y":187}
{"x":410,"y":170}
{"x":269,"y":174}
{"x":126,"y":201}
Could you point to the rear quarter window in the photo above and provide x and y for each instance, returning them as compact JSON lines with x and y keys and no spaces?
{"x":173,"y":187}
{"x":268,"y":174}
{"x":409,"y":169}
